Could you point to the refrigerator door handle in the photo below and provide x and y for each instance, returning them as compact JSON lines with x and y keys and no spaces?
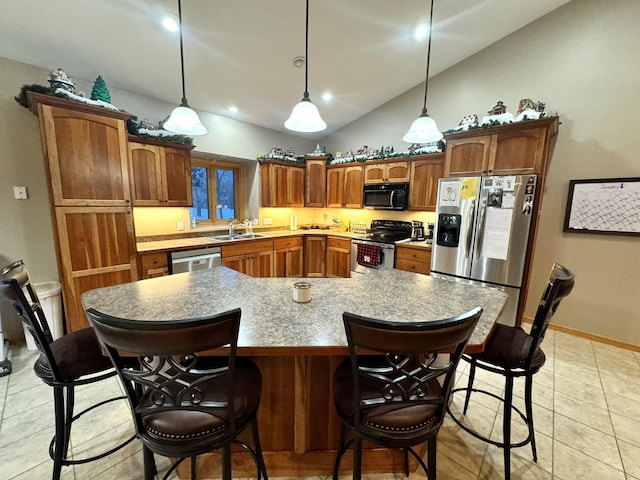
{"x":480,"y":231}
{"x":470,"y":220}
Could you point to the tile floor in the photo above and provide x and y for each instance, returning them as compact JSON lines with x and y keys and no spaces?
{"x":587,"y":418}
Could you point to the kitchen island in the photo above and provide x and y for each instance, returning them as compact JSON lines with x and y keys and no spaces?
{"x":298,"y":345}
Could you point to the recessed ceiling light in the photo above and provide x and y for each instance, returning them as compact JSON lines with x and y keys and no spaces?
{"x":232,"y":109}
{"x":421,"y":32}
{"x":170,"y":22}
{"x":327,"y":96}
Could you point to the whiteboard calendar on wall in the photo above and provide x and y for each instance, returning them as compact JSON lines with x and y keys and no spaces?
{"x":604,"y":205}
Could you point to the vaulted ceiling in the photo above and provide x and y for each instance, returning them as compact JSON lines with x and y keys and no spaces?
{"x":240,"y":52}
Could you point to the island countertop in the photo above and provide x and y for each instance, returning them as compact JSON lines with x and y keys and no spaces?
{"x":272,"y":323}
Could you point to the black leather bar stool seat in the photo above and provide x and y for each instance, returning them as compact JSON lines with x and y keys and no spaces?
{"x":184,"y":402}
{"x":514,"y":353}
{"x":393,"y":388}
{"x":70,"y":361}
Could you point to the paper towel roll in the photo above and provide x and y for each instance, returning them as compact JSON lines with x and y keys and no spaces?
{"x":293,"y":223}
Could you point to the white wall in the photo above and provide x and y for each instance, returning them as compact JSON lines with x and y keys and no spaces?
{"x":582,"y":60}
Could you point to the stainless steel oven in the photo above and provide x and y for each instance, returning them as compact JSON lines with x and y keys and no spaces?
{"x":376,"y":250}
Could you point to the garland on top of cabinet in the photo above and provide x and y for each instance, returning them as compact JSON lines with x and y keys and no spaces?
{"x":134,"y":127}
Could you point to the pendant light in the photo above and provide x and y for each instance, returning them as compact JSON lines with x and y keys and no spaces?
{"x":305,"y":116}
{"x":424,"y":129}
{"x":183,"y":119}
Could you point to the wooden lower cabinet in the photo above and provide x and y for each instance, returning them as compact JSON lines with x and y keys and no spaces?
{"x":299,"y":426}
{"x":315,"y":248}
{"x":254,"y":258}
{"x":96,"y":249}
{"x":338,"y":257}
{"x":151,"y":265}
{"x":416,"y":259}
{"x":287,"y":257}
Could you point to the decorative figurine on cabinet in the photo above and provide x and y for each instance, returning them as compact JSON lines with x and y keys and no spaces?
{"x":498,"y":109}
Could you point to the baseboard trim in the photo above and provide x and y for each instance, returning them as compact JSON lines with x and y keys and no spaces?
{"x":590,"y":336}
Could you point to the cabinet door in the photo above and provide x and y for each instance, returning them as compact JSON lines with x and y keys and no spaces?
{"x":314,"y":256}
{"x":176,"y":177}
{"x":423,"y":192}
{"x":519,"y":152}
{"x":295,"y":186}
{"x":261,"y":264}
{"x":295,"y":266}
{"x":467,"y":156}
{"x":397,"y":172}
{"x":86,"y":156}
{"x":353,"y":177}
{"x":374,"y":173}
{"x":315,"y":183}
{"x":335,"y":187}
{"x":239,"y":263}
{"x":146,"y":174}
{"x":338,"y":257}
{"x":96,"y":249}
{"x":279,"y":185}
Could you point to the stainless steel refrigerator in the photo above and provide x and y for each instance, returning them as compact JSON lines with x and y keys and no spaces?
{"x":482,"y":232}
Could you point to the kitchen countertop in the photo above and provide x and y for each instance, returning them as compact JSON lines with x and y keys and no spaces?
{"x":273,"y":324}
{"x":205,"y":241}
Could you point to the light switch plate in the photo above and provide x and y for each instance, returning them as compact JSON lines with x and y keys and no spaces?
{"x":20,"y":193}
{"x":267,"y":221}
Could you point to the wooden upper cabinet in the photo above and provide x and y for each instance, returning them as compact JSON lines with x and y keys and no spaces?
{"x":282,"y":185}
{"x":386,"y":172}
{"x":86,"y":156}
{"x":423,"y":191}
{"x":344,"y":186}
{"x":315,"y":182}
{"x":467,"y":156}
{"x":518,"y":152}
{"x":160,"y":175}
{"x":511,"y":149}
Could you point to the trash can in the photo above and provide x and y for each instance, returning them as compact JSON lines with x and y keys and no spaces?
{"x":50,"y":297}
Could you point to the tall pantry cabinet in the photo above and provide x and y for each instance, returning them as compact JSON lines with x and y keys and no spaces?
{"x":85,"y":153}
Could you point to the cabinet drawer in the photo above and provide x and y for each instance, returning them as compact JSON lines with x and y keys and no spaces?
{"x":411,"y":266}
{"x":287,"y":242}
{"x":153,"y":260}
{"x":247,"y":246}
{"x":337,"y":242}
{"x":414,"y":254}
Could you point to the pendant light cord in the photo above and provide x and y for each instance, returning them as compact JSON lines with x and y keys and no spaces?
{"x":306,"y":52}
{"x":426,"y":82}
{"x":184,"y":96}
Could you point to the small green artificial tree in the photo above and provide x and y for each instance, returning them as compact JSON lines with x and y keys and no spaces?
{"x":100,"y":91}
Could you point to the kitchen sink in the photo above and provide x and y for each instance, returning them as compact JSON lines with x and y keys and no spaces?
{"x":236,"y":236}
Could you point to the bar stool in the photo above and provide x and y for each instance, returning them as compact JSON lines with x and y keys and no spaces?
{"x":391,"y":390}
{"x":183,"y":402}
{"x":68,"y":362}
{"x":513,"y":353}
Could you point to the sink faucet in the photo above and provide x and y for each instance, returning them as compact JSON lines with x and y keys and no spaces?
{"x":233,"y":226}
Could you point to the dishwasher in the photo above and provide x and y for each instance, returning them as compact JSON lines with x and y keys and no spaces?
{"x":196,"y":259}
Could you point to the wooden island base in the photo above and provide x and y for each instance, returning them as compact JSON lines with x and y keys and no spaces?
{"x":298,"y":425}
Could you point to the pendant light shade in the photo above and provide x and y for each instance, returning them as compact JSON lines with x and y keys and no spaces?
{"x":424,"y":129}
{"x":305,"y":116}
{"x":183,"y":119}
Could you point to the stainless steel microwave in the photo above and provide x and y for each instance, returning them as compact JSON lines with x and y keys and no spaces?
{"x":388,"y":196}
